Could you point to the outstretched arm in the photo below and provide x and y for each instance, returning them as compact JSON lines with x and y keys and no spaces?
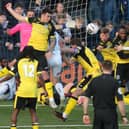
{"x":13,"y":30}
{"x":14,"y":14}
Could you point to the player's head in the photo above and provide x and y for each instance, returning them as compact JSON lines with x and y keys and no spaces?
{"x":104,"y":34}
{"x":28,"y":52}
{"x":75,"y":42}
{"x":30,"y":13}
{"x":45,"y":15}
{"x":107,"y":66}
{"x":122,"y":33}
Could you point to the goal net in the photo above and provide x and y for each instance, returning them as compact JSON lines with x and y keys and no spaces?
{"x":73,"y":7}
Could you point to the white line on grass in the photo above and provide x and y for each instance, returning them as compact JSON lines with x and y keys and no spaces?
{"x":54,"y":126}
{"x":39,"y":105}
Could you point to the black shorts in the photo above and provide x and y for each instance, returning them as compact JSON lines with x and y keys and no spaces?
{"x":40,"y":56}
{"x":22,"y":103}
{"x":105,"y":119}
{"x":122,"y":72}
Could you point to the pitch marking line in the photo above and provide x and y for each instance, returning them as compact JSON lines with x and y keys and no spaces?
{"x":54,"y":126}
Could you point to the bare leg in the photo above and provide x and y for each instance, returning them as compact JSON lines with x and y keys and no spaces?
{"x":14,"y":116}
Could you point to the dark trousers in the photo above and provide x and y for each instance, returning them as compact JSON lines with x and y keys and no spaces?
{"x":105,"y":119}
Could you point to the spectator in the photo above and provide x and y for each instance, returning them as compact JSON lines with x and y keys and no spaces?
{"x":2,"y":21}
{"x":59,"y":10}
{"x":3,"y":35}
{"x":123,"y":7}
{"x":13,"y":41}
{"x":99,"y":9}
{"x":37,"y":6}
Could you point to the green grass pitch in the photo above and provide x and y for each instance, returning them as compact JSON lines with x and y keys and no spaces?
{"x":47,"y":119}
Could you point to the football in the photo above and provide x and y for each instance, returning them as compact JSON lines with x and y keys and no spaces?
{"x":92,"y":28}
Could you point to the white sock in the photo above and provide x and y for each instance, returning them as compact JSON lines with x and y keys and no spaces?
{"x":60,"y":90}
{"x":64,"y":115}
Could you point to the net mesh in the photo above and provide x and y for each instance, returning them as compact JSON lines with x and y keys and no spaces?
{"x":73,"y":7}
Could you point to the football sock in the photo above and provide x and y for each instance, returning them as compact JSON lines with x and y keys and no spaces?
{"x":69,"y":107}
{"x":60,"y":90}
{"x":35,"y":126}
{"x":126,"y":99}
{"x":13,"y":126}
{"x":49,"y":89}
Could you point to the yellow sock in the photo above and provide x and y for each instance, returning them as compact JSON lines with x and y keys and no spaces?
{"x":122,"y":90}
{"x":126,"y":99}
{"x":13,"y":126}
{"x":49,"y":89}
{"x":70,"y":105}
{"x":35,"y":126}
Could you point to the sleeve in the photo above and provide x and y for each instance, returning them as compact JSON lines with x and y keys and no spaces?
{"x":14,"y":29}
{"x":52,"y":31}
{"x":11,"y":71}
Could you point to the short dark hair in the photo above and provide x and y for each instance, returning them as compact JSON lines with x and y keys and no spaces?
{"x":107,"y":65}
{"x":19,"y":5}
{"x":46,"y":10}
{"x":30,"y":10}
{"x":104,"y":30}
{"x":76,"y":41}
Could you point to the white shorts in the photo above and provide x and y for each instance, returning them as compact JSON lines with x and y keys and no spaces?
{"x":55,"y":62}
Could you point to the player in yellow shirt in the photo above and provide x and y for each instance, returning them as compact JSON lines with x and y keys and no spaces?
{"x":26,"y":94}
{"x":88,"y":61}
{"x":42,"y":31}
